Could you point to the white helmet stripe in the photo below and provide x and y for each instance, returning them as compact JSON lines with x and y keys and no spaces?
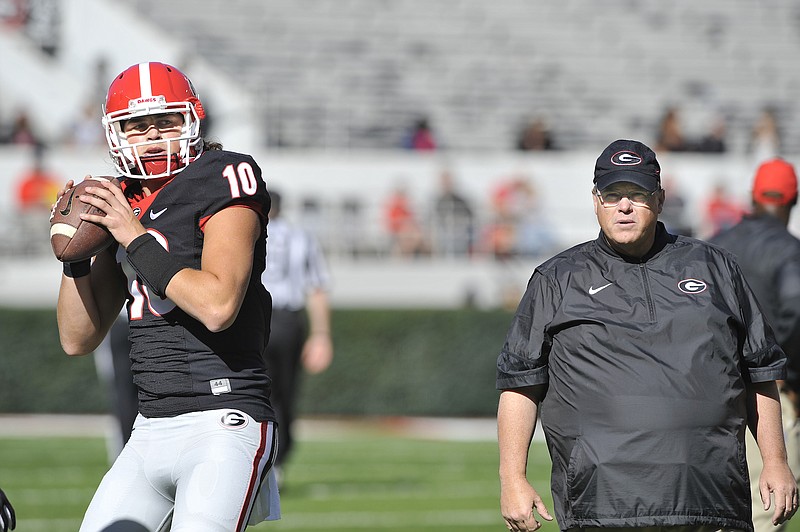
{"x":144,"y":80}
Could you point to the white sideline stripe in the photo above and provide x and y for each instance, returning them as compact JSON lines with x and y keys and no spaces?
{"x":62,"y":229}
{"x":312,"y":429}
{"x":332,"y":520}
{"x":375,"y":520}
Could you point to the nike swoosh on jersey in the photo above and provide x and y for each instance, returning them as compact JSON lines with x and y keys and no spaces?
{"x":593,"y":290}
{"x":154,"y":215}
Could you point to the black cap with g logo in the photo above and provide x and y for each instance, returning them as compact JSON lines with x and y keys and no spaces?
{"x":629,"y":161}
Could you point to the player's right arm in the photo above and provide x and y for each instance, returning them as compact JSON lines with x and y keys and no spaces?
{"x":516,"y":421}
{"x":89,"y":304}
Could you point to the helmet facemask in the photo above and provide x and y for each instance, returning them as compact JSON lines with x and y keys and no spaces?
{"x":132,"y":161}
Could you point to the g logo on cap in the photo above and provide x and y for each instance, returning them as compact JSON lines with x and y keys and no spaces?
{"x":626,"y":158}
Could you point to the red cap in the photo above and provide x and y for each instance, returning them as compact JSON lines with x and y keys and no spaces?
{"x":775,"y":183}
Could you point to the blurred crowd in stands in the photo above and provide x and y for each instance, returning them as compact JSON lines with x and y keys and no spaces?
{"x":670,"y":135}
{"x":452,"y":226}
{"x":507,"y":224}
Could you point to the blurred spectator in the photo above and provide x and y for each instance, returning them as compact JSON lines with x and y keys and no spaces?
{"x":101,"y":80}
{"x":313,"y":218}
{"x":351,"y":235}
{"x":498,"y":238}
{"x":517,"y":227}
{"x":714,"y":140}
{"x":85,"y":129}
{"x":43,"y":25}
{"x":721,"y":210}
{"x":37,"y":188}
{"x":670,"y":136}
{"x":673,"y":213}
{"x":420,"y":138}
{"x":534,"y":237}
{"x":452,"y":219}
{"x":21,"y":130}
{"x":535,"y":136}
{"x":14,"y":13}
{"x":405,"y":231}
{"x":765,"y":137}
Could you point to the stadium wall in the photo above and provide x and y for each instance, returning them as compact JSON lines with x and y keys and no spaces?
{"x":562,"y":181}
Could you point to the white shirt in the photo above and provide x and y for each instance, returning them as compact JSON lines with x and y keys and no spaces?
{"x":295,"y":265}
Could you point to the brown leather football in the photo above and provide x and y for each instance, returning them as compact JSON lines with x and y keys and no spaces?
{"x":74,"y":239}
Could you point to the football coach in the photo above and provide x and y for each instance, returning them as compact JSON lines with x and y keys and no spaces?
{"x":646,"y":357}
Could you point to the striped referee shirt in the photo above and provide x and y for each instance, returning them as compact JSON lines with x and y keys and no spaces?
{"x":295,"y":265}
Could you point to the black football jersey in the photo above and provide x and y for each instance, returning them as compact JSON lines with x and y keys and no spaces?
{"x":178,"y":365}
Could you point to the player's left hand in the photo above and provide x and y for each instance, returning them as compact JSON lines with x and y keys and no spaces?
{"x":8,"y":519}
{"x":777,"y":484}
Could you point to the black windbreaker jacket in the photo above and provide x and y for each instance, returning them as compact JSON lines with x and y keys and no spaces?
{"x":769,"y":256}
{"x":646,"y":363}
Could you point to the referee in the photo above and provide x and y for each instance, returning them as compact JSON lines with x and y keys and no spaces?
{"x":297,"y":277}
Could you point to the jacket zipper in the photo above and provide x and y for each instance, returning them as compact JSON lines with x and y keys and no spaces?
{"x":648,"y":296}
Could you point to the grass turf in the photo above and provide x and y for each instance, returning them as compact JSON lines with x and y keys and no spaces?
{"x":361,"y":482}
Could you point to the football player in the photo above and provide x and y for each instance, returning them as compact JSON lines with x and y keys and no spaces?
{"x":189,"y":221}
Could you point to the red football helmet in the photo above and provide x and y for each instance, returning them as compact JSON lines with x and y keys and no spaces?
{"x":149,"y":89}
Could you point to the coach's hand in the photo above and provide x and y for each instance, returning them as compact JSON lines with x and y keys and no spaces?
{"x":518,"y":500}
{"x":7,"y":516}
{"x":777,"y":485}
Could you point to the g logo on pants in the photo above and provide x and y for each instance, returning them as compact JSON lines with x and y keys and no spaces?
{"x":233,"y":420}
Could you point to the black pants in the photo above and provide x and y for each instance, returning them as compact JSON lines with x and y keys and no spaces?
{"x":288,"y":333}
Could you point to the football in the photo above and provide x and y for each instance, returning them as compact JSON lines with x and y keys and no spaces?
{"x":74,"y":239}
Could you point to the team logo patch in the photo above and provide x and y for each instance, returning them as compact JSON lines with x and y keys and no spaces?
{"x":626,"y":158}
{"x":137,"y":211}
{"x":692,"y":286}
{"x":233,"y":420}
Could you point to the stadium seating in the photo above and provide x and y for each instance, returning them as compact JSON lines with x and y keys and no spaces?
{"x":356,"y":73}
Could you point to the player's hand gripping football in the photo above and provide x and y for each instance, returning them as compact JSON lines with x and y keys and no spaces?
{"x":8,"y":519}
{"x":119,"y":218}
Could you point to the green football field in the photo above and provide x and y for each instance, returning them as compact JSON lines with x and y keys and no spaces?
{"x":361,"y":481}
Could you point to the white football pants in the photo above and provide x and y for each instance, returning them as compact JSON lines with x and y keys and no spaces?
{"x":197,"y":472}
